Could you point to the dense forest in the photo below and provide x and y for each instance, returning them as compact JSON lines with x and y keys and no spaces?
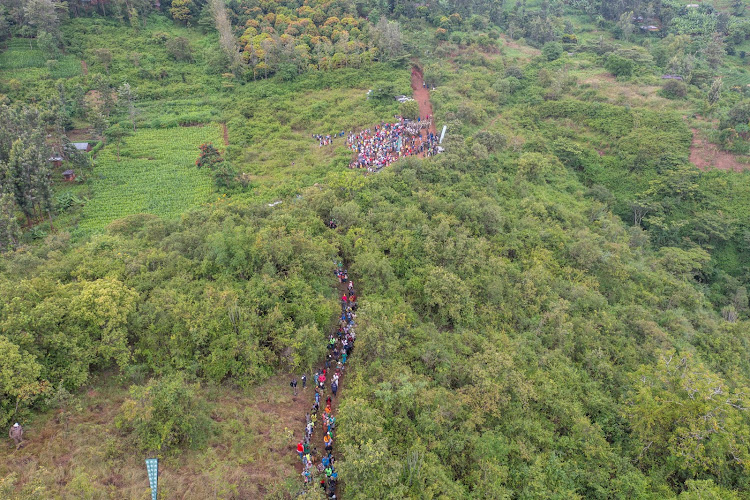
{"x":556,"y":306}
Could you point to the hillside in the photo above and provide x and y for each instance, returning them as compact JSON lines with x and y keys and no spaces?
{"x":554,"y":306}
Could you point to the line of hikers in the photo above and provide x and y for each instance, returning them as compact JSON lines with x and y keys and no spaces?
{"x":340,"y":345}
{"x":377,"y":148}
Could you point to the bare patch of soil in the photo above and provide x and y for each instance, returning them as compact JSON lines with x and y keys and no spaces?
{"x":706,"y":155}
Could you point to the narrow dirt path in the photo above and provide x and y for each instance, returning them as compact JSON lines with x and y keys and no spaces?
{"x":84,"y":68}
{"x":422,"y":96}
{"x":317,"y":445}
{"x":226,"y":134}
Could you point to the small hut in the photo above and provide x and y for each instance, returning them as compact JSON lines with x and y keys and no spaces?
{"x":69,"y":176}
{"x":82,"y":146}
{"x":56,"y":161}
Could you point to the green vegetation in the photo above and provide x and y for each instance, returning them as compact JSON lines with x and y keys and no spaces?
{"x":557,"y":306}
{"x":156,"y":175}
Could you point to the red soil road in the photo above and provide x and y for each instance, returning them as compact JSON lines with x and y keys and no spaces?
{"x":422,"y":96}
{"x":226,"y":134}
{"x":84,"y":68}
{"x":706,"y":155}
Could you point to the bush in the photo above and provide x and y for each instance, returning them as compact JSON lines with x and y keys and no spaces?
{"x":165,"y":414}
{"x":409,"y":109}
{"x":209,"y":156}
{"x":179,"y":49}
{"x":619,"y":66}
{"x":674,"y":89}
{"x":552,"y":50}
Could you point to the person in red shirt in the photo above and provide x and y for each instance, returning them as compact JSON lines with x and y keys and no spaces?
{"x":300,"y":449}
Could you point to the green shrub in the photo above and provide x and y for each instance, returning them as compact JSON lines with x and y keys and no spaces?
{"x":552,"y":50}
{"x":409,"y":109}
{"x":165,"y":414}
{"x":674,"y":89}
{"x":619,"y":66}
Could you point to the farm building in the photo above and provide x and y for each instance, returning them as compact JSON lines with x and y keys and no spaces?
{"x":82,"y":146}
{"x":56,"y":161}
{"x":69,"y":176}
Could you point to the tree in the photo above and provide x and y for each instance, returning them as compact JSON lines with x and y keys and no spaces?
{"x":98,"y":122}
{"x":209,"y":156}
{"x":20,"y":380}
{"x":552,"y":50}
{"x":714,"y":52}
{"x":686,"y":419}
{"x":714,"y":93}
{"x":117,"y":133}
{"x":102,"y":308}
{"x":388,"y":38}
{"x":28,"y":172}
{"x":9,"y":229}
{"x":127,"y":100}
{"x":179,"y":48}
{"x":41,"y":15}
{"x":46,"y":42}
{"x":227,"y":41}
{"x":625,"y":25}
{"x":4,"y":23}
{"x":409,"y":109}
{"x":180,"y":11}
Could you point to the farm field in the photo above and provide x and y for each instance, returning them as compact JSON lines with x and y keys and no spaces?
{"x":156,"y":175}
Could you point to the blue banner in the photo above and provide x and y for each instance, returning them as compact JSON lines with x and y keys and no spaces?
{"x":152,"y":467}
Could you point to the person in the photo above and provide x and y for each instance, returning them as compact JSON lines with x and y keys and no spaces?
{"x":293,"y":385}
{"x":16,"y":434}
{"x":335,"y":386}
{"x":304,"y":380}
{"x":326,"y":461}
{"x":306,"y":448}
{"x":328,"y":402}
{"x":300,"y":449}
{"x":317,"y":396}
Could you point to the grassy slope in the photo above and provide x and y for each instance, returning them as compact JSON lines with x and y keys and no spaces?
{"x":78,"y":453}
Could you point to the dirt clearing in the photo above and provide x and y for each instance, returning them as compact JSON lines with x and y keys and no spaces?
{"x":706,"y":155}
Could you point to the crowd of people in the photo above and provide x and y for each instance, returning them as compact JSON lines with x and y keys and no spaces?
{"x":377,"y":148}
{"x":327,"y":139}
{"x":320,"y":418}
